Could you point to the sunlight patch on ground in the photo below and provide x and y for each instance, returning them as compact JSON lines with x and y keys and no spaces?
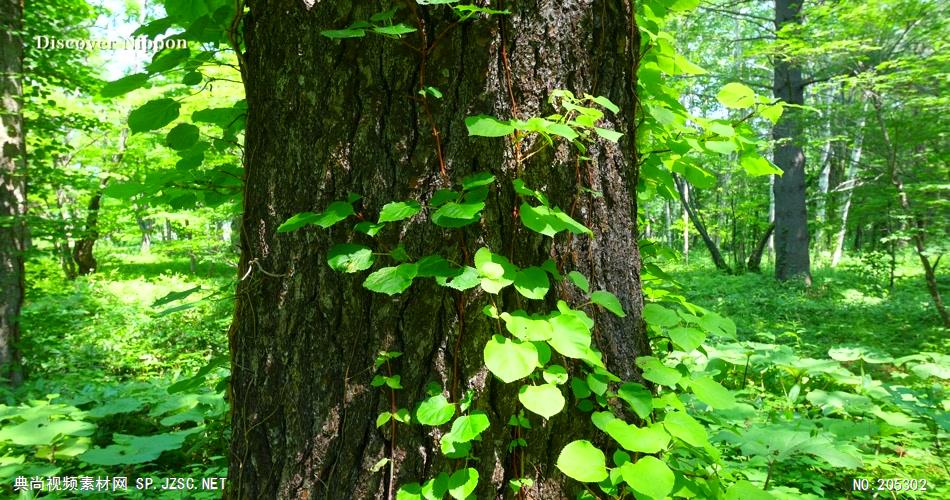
{"x":852,"y":296}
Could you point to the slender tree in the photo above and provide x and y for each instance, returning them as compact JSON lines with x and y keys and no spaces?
{"x":918,"y":232}
{"x":12,"y":187}
{"x":329,"y":117}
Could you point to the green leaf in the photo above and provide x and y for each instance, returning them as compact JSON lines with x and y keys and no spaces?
{"x":555,"y":374}
{"x":443,"y":196}
{"x":607,"y":103}
{"x":649,"y":477}
{"x":467,"y":428}
{"x":435,"y":411}
{"x":428,"y":90}
{"x":435,"y":266}
{"x":124,"y":85}
{"x":488,"y":126}
{"x":722,"y":147}
{"x":153,"y":115}
{"x":523,"y":190}
{"x":467,"y":280}
{"x":712,"y":393}
{"x":337,"y":211}
{"x":744,"y":490}
{"x":610,"y":135}
{"x":562,"y":130}
{"x":717,"y":325}
{"x":684,"y":5}
{"x":524,"y":327}
{"x":386,"y":15}
{"x":391,"y":280}
{"x":477,"y":180}
{"x":510,"y":359}
{"x":532,"y":282}
{"x":651,"y":439}
{"x":166,"y":60}
{"x":682,"y":426}
{"x":570,"y":336}
{"x":545,"y":400}
{"x":454,"y":214}
{"x":437,"y":487}
{"x":495,"y":270}
{"x":394,"y":30}
{"x":136,"y":449}
{"x":344,"y":33}
{"x":755,"y":164}
{"x":115,"y":407}
{"x":462,"y":483}
{"x":772,"y":113}
{"x":41,"y":431}
{"x":550,"y":220}
{"x":655,"y":371}
{"x":580,"y":280}
{"x":399,"y":210}
{"x":368,"y":228}
{"x":350,"y":258}
{"x":411,"y":491}
{"x":582,"y":461}
{"x":687,"y":339}
{"x":192,"y":78}
{"x":736,"y":95}
{"x":657,"y":315}
{"x":608,"y":301}
{"x":182,"y":136}
{"x":638,"y":397}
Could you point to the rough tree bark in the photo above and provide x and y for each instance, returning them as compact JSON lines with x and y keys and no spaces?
{"x":12,"y":188}
{"x":330,"y":117}
{"x":791,"y":213}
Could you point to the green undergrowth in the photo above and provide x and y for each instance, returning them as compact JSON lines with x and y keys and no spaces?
{"x":819,"y":386}
{"x":841,"y":381}
{"x":850,"y":304}
{"x":122,"y":381}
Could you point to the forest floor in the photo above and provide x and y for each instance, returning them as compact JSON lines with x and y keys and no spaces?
{"x":851,"y":305}
{"x":113,"y":349}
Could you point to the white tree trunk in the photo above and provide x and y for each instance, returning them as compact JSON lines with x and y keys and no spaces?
{"x":848,"y":187}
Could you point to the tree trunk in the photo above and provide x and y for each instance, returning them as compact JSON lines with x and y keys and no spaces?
{"x":791,"y":213}
{"x":700,"y":227}
{"x":83,"y":250}
{"x":824,"y":178}
{"x":849,"y":185}
{"x":684,"y":199}
{"x":755,"y":260}
{"x":12,"y":189}
{"x":919,"y":231}
{"x":145,"y":225}
{"x":330,"y":117}
{"x":668,"y":216}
